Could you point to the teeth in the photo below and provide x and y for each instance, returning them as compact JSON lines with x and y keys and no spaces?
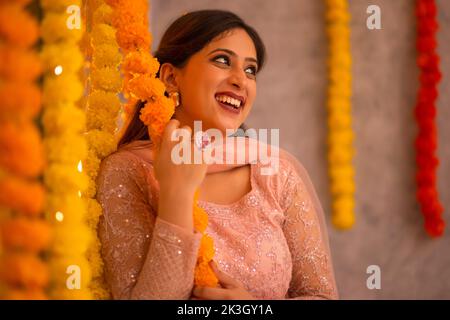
{"x":234,"y":102}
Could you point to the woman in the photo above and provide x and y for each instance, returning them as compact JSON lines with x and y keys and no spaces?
{"x":268,"y":230}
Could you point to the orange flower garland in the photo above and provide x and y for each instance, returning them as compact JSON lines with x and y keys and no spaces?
{"x":24,"y":234}
{"x":140,"y":83}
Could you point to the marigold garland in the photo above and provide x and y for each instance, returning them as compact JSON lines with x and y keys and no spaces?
{"x":24,"y":234}
{"x":340,"y":149}
{"x":425,"y":113}
{"x":102,"y":110}
{"x":66,"y":148}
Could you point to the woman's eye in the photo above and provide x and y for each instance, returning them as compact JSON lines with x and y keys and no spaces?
{"x":253,"y":72}
{"x":224,"y":58}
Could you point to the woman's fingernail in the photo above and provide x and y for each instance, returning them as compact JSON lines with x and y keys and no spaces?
{"x":202,"y":140}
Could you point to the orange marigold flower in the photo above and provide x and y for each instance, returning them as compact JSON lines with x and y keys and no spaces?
{"x":21,"y":150}
{"x":204,"y":276}
{"x":145,"y":86}
{"x":24,"y":269}
{"x":134,"y":36}
{"x":21,"y":99}
{"x":18,"y":64}
{"x":140,"y":62}
{"x":17,"y":26}
{"x":29,"y":234}
{"x":206,"y":250}
{"x":20,"y":195}
{"x":32,"y":294}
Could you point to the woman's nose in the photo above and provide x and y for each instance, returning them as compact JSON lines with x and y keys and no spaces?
{"x":237,"y":79}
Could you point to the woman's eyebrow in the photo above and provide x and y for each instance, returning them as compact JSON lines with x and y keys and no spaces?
{"x":233,"y":54}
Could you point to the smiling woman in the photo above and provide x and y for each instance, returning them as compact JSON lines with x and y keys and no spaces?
{"x":269,"y":233}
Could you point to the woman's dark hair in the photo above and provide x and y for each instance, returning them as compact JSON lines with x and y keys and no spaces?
{"x":186,"y":36}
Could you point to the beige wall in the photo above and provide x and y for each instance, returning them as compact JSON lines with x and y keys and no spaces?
{"x":291,"y":96}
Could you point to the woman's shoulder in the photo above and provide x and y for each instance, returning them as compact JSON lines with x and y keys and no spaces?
{"x":124,"y":164}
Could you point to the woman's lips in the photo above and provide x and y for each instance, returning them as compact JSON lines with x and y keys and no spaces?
{"x":229,"y":108}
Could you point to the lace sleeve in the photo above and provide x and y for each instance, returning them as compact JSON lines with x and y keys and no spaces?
{"x":306,"y":235}
{"x":145,"y":257}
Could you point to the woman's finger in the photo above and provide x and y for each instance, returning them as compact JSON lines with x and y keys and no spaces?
{"x":208,"y":293}
{"x":225,"y":280}
{"x":171,"y":126}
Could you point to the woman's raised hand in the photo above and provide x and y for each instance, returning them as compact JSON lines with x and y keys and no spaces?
{"x":175,"y":177}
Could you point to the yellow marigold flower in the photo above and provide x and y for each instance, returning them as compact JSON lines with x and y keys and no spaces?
{"x":103,"y":34}
{"x":91,"y":189}
{"x":106,"y":55}
{"x":92,"y":164}
{"x":62,"y":178}
{"x":103,"y":143}
{"x":68,"y":148}
{"x":54,"y":28}
{"x":64,"y":54}
{"x":65,"y":209}
{"x":343,"y":217}
{"x":106,"y":79}
{"x":63,"y":293}
{"x":342,"y":187}
{"x":59,"y":5}
{"x":103,"y":14}
{"x":94,"y":258}
{"x":59,"y":119}
{"x":98,"y":289}
{"x":94,"y":212}
{"x":61,"y":89}
{"x":104,"y":101}
{"x":71,"y":240}
{"x":342,"y":171}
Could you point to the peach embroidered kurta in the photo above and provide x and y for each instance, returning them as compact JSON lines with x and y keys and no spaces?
{"x":272,"y":239}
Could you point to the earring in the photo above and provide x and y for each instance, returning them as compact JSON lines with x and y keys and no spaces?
{"x":176,"y":97}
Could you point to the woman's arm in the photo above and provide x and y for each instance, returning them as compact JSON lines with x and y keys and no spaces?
{"x":312,"y":272}
{"x":145,"y":256}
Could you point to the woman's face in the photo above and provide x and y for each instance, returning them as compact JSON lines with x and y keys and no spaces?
{"x":224,"y":67}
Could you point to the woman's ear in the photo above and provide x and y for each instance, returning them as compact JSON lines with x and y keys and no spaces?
{"x":168,"y":75}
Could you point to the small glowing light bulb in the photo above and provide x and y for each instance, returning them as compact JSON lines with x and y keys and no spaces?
{"x":58,"y":70}
{"x":59,"y":216}
{"x":80,"y":166}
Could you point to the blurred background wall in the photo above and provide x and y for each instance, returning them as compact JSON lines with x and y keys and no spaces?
{"x":291,"y":96}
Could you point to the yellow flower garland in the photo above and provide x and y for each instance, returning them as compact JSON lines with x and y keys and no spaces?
{"x":340,"y":149}
{"x":102,"y":110}
{"x":24,"y":234}
{"x":66,"y":148}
